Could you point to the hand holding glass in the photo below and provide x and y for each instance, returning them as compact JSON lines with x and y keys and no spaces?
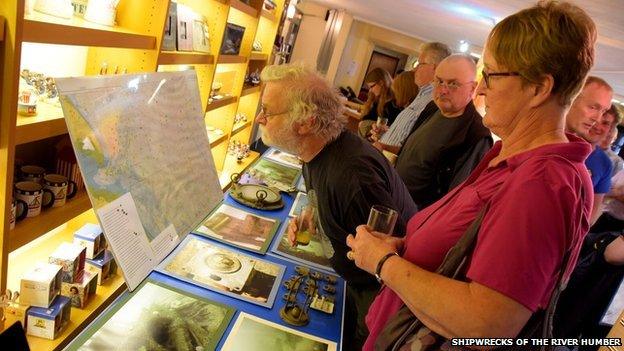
{"x":382,"y":219}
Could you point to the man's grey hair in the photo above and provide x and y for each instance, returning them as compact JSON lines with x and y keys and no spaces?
{"x":308,"y":94}
{"x":435,"y":52}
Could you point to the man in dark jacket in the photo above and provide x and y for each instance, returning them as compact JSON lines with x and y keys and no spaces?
{"x":448,"y":143}
{"x":344,"y":176}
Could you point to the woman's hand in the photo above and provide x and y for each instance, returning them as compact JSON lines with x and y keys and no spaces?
{"x":369,"y":247}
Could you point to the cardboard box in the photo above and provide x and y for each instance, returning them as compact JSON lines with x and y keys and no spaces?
{"x":48,"y":322}
{"x":104,"y":266}
{"x":91,"y":237}
{"x":170,"y":35}
{"x":80,"y":292}
{"x":185,"y":28}
{"x":72,"y":258}
{"x":39,"y":286}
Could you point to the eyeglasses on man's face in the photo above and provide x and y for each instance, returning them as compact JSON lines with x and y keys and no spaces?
{"x":267,"y":115}
{"x":452,"y":85}
{"x":487,"y":76}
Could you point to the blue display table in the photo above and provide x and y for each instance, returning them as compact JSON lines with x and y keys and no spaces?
{"x":326,"y":326}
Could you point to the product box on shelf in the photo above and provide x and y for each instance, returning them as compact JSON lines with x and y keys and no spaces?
{"x":104,"y":266}
{"x":48,"y":322}
{"x":39,"y":286}
{"x":72,"y":258}
{"x":185,"y":29}
{"x":91,"y":237}
{"x":81,"y":291}
{"x":171,"y":28}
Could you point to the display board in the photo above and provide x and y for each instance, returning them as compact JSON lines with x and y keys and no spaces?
{"x":143,"y":149}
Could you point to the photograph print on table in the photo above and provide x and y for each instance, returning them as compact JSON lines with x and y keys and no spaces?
{"x":274,"y":174}
{"x":239,"y":228}
{"x":210,"y":265}
{"x":312,"y":254}
{"x":157,"y":317}
{"x":300,"y":201}
{"x":284,"y":157}
{"x":251,"y":333}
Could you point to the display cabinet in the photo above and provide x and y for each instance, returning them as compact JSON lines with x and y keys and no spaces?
{"x":59,"y":47}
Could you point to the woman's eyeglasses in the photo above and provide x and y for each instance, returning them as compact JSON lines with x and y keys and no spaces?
{"x":487,"y":76}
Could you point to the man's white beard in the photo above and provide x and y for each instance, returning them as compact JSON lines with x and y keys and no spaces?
{"x":283,"y":140}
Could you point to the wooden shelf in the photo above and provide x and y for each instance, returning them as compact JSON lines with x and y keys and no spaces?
{"x":41,"y":28}
{"x":240,"y":126}
{"x":184,"y":58}
{"x":48,"y":122}
{"x":250,"y":90}
{"x":231,"y":166}
{"x":241,"y":6}
{"x":268,"y":15}
{"x":231,"y":59}
{"x":218,"y":140}
{"x":258,"y":56}
{"x":21,"y":262}
{"x":32,"y":228}
{"x":1,"y":29}
{"x":220,"y":103}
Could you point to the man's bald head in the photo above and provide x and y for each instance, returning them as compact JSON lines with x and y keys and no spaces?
{"x":454,"y":84}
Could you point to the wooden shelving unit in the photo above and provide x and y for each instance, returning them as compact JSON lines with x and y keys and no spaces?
{"x":241,"y":6}
{"x":221,"y":103}
{"x":23,"y":259}
{"x":31,"y":228}
{"x":250,"y":90}
{"x":258,"y":56}
{"x":268,"y":15}
{"x":184,"y":58}
{"x":83,"y":33}
{"x":232,"y":166}
{"x":49,"y":122}
{"x":232,"y":59}
{"x":239,"y":127}
{"x":218,"y":140}
{"x":132,"y":45}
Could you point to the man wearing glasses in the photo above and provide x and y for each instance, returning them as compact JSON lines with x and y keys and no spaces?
{"x":431,"y":54}
{"x":344,"y":176}
{"x":448,"y":144}
{"x":588,"y":109}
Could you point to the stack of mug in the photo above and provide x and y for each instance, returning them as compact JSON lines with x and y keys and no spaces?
{"x":36,"y":190}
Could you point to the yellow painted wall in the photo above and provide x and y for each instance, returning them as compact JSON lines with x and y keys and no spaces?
{"x":362,"y":39}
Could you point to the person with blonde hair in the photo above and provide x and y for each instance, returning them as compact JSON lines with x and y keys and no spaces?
{"x":488,"y":259}
{"x":344,"y":175}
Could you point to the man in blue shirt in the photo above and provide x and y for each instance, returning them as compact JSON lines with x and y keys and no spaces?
{"x":588,"y":110}
{"x":431,"y":54}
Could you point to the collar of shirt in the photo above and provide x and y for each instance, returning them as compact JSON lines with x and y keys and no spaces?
{"x":576,"y":150}
{"x":425,"y":89}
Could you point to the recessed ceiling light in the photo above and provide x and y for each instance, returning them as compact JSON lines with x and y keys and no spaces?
{"x":463,"y":46}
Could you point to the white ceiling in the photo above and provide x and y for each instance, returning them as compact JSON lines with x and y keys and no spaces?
{"x":450,"y":21}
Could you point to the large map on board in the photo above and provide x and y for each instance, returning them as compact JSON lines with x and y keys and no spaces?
{"x":142,"y":147}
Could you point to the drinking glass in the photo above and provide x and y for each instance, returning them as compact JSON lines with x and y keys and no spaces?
{"x":382,"y":219}
{"x":306,"y":225}
{"x":382,"y":121}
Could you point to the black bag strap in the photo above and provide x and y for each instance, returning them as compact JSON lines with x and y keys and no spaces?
{"x":452,"y":265}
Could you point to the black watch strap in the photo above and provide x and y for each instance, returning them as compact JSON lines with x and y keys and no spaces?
{"x":381,"y":263}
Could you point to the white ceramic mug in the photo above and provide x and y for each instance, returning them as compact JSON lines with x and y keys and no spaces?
{"x":32,"y":173}
{"x":32,"y":194}
{"x":59,"y":186}
{"x":16,"y":214}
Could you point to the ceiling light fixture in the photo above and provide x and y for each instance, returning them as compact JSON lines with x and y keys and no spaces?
{"x":463,"y":46}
